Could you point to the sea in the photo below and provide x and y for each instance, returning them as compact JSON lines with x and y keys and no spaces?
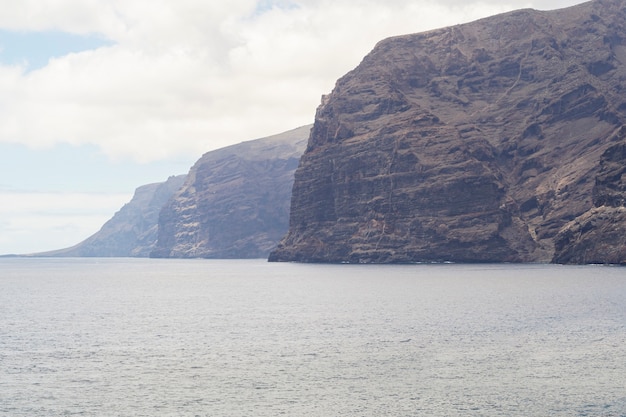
{"x":156,"y":337}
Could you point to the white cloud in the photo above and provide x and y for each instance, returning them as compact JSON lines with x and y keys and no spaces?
{"x":37,"y":222}
{"x":189,"y":76}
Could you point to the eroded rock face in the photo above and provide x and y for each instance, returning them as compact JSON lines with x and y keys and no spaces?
{"x":599,"y":234}
{"x":235,"y":202}
{"x":132,"y":231}
{"x":474,"y":143}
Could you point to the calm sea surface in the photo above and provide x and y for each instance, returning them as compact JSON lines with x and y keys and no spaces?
{"x":140,"y":337}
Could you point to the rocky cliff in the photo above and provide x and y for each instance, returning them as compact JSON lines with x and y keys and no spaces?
{"x":132,"y":231}
{"x":500,"y":140}
{"x":235,"y":201}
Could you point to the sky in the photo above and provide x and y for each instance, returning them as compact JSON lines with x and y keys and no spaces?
{"x":98,"y":97}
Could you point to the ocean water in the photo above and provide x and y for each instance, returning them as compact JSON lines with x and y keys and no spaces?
{"x":141,"y":337}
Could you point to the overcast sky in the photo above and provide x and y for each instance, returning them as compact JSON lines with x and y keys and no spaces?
{"x":98,"y":97}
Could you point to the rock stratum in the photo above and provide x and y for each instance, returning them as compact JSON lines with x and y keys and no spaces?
{"x":234,"y":202}
{"x":133,"y":230}
{"x":500,"y":140}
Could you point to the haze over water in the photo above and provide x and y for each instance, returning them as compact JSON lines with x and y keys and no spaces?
{"x":141,"y":337}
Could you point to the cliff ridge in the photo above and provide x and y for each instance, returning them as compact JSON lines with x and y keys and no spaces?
{"x":499,"y":140}
{"x":234,"y":202}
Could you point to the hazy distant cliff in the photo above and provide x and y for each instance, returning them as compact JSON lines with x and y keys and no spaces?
{"x":235,"y":201}
{"x":132,"y":231}
{"x":497,"y":140}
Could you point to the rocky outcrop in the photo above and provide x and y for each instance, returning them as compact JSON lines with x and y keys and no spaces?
{"x":599,"y":234}
{"x":235,"y":201}
{"x":493,"y":141}
{"x":132,"y":231}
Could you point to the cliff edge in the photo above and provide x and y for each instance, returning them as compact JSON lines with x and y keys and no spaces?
{"x":235,"y":201}
{"x":132,"y":231}
{"x":500,"y":140}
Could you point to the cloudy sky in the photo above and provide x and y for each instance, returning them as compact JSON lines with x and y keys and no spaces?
{"x":98,"y":97}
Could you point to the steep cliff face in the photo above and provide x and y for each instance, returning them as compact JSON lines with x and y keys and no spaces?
{"x":483,"y":142}
{"x":132,"y":231}
{"x":599,"y":234}
{"x":235,"y":201}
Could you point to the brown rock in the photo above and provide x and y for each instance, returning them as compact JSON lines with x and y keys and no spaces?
{"x":474,"y":143}
{"x":599,"y":234}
